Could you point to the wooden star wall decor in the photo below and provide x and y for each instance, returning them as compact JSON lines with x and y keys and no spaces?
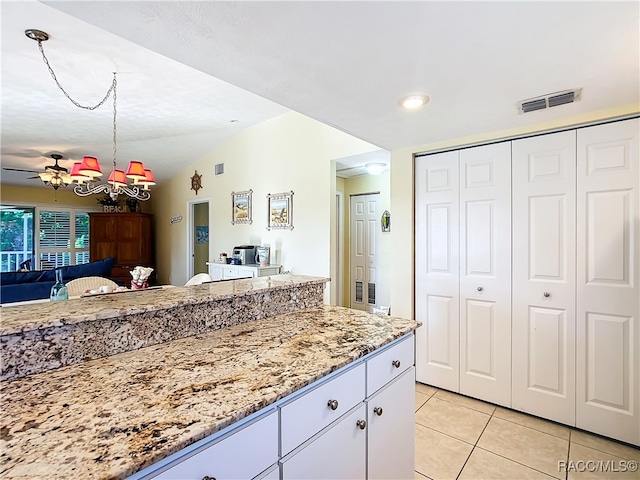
{"x":196,"y":182}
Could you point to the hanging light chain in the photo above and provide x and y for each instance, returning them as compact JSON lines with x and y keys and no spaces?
{"x":113,"y":87}
{"x":55,"y":79}
{"x":82,"y":189}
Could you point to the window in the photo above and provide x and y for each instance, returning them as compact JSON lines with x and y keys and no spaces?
{"x":42,"y":237}
{"x":63,"y":238}
{"x":16,"y":237}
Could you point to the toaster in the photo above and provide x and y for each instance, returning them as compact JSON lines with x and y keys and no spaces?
{"x":246,"y":253}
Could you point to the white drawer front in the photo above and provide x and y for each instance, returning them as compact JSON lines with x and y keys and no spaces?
{"x":308,"y":414}
{"x":243,"y":454}
{"x":390,"y":363}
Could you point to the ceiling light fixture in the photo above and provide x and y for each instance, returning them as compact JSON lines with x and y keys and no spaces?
{"x":88,"y":171}
{"x":54,"y":175}
{"x":412,"y":102}
{"x":375,"y":168}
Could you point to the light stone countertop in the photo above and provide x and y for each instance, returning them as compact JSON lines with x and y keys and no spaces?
{"x":24,"y":318}
{"x":111,"y":417}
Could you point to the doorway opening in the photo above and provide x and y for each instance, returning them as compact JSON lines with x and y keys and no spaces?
{"x":198,"y":237}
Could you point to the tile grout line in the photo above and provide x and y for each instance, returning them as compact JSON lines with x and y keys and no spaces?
{"x":566,"y":470}
{"x":518,"y":463}
{"x":507,"y":458}
{"x":475,"y":444}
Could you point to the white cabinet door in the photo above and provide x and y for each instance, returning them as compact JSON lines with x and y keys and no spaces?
{"x":544,"y":220}
{"x":337,"y":453}
{"x":608,"y":305}
{"x":215,"y":271}
{"x":437,"y":270}
{"x":391,"y":424}
{"x":485,"y":272}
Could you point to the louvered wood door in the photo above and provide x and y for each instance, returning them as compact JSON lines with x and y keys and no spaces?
{"x":543,"y":321}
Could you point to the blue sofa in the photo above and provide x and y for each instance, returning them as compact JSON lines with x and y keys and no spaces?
{"x":33,"y":285}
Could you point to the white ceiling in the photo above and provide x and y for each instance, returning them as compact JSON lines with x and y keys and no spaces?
{"x":343,"y":63}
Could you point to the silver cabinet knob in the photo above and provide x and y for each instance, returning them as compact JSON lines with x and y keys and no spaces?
{"x":479,"y":289}
{"x":378,"y":411}
{"x":396,"y":363}
{"x":332,"y":404}
{"x":547,"y":294}
{"x":207,"y":477}
{"x":361,"y":424}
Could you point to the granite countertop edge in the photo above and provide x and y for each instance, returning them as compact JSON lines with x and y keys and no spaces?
{"x":152,"y":300}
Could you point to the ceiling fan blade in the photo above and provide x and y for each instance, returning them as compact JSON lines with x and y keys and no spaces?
{"x":31,"y":178}
{"x":20,"y":170}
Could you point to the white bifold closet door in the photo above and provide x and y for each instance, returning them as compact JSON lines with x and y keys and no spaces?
{"x":485,"y":272}
{"x":437,"y":270}
{"x":608,"y":276}
{"x":544,"y":238}
{"x":463,"y":271}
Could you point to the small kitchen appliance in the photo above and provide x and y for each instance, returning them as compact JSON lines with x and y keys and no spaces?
{"x":246,"y":253}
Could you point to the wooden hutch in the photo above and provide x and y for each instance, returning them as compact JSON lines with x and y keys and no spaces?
{"x":126,"y":236}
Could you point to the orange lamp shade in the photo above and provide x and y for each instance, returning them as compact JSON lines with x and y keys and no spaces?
{"x":118,"y":179}
{"x":135,"y":170}
{"x":76,"y":175}
{"x":90,"y":167}
{"x":148,"y":179}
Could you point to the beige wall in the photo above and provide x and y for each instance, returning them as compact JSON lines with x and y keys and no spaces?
{"x":360,"y":185}
{"x":402,"y":195}
{"x":290,"y":152}
{"x":45,"y":196}
{"x":48,"y":196}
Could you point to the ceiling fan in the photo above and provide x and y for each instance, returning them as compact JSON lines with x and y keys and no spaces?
{"x":54,"y":176}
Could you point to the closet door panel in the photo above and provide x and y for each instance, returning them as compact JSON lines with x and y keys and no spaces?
{"x":485,"y":272}
{"x":543,"y":320}
{"x":608,"y":297}
{"x":437,"y":270}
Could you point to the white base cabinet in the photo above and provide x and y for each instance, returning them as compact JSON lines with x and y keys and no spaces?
{"x":356,"y":424}
{"x":225,"y":271}
{"x":391,"y":430}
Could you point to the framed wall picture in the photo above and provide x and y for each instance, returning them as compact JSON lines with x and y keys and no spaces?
{"x":280,"y":211}
{"x":241,"y":207}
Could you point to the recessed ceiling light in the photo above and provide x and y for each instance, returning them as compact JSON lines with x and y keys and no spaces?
{"x":412,"y":102}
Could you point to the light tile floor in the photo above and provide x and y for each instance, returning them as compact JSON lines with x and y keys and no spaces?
{"x":458,"y":437}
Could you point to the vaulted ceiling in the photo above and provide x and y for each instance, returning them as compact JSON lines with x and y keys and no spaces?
{"x":186,"y":70}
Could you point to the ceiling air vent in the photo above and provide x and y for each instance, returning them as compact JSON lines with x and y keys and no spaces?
{"x":219,"y":168}
{"x":549,"y":100}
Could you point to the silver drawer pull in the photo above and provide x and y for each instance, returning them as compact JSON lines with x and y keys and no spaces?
{"x":396,"y":363}
{"x":207,"y":477}
{"x":479,"y":289}
{"x":332,"y":404}
{"x":378,"y":411}
{"x":547,"y":294}
{"x":361,"y":424}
